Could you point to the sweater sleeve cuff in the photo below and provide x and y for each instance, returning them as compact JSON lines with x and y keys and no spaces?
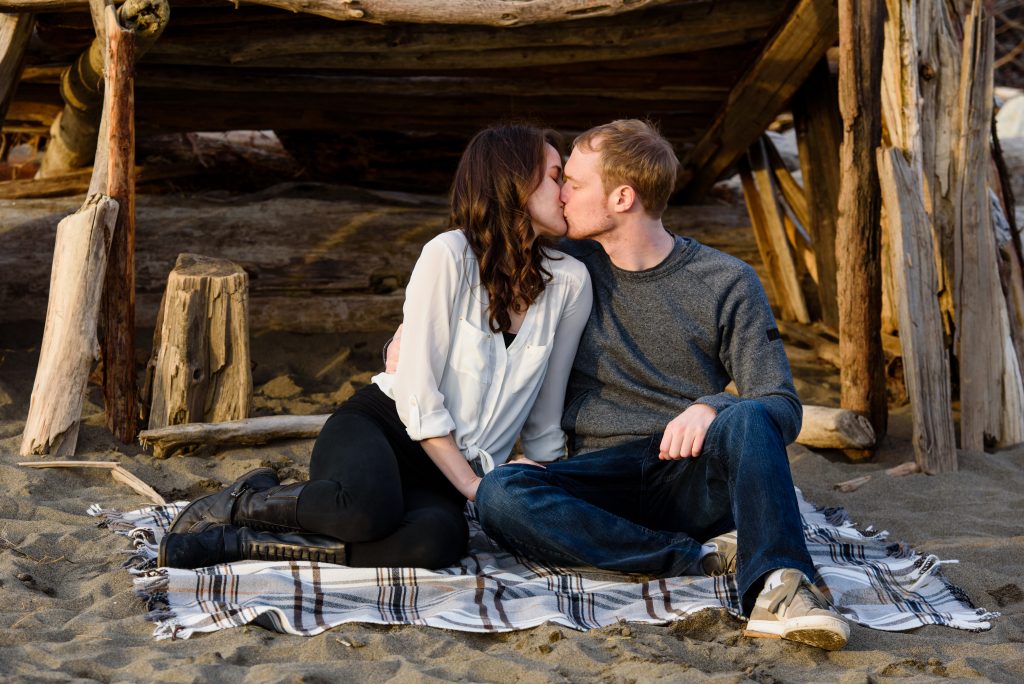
{"x":719,"y":402}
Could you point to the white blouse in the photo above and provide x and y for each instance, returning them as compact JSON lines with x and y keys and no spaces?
{"x":455,"y":374}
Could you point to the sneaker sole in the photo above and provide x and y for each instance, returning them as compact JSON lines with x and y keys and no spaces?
{"x":823,"y":632}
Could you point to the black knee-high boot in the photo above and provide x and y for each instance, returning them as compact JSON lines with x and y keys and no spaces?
{"x":226,"y":544}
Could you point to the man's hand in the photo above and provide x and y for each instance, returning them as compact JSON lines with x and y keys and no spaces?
{"x":684,"y":435}
{"x":391,"y":358}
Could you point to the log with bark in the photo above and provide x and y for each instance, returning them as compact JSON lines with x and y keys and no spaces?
{"x":200,"y":368}
{"x":69,"y":346}
{"x":858,"y":238}
{"x":114,"y":169}
{"x":832,"y":428}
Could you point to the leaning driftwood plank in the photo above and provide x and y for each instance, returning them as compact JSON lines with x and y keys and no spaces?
{"x":832,"y":428}
{"x":912,"y":256}
{"x":15,"y":30}
{"x":69,"y":338}
{"x":437,"y":12}
{"x":251,"y":431}
{"x":116,"y":471}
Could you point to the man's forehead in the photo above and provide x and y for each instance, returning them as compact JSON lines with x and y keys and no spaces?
{"x":581,"y":160}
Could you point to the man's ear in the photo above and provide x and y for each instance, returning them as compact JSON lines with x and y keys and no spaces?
{"x":623,"y":198}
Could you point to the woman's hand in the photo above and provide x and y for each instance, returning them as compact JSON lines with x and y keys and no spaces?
{"x":469,"y":487}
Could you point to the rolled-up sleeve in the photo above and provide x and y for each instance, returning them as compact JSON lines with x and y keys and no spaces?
{"x":426,"y":336}
{"x":542,"y":436}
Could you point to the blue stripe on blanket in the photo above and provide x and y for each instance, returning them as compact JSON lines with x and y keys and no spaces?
{"x":873,"y":582}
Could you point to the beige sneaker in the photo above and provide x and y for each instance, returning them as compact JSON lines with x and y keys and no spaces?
{"x":722,"y":561}
{"x":798,"y":611}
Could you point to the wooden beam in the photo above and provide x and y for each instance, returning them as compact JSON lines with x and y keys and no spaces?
{"x":120,"y":393}
{"x":758,"y":97}
{"x":302,"y":44}
{"x":15,"y":31}
{"x":925,"y":365}
{"x":819,"y":134}
{"x":858,"y":235}
{"x":503,"y":14}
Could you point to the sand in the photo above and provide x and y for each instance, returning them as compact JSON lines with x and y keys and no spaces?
{"x":69,"y":613}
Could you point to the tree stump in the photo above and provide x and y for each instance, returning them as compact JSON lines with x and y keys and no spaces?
{"x":199,"y":371}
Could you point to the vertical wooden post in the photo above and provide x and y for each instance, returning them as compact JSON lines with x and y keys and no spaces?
{"x":990,"y":376}
{"x":120,"y":393}
{"x":15,"y":30}
{"x":858,"y":243}
{"x":818,"y":134}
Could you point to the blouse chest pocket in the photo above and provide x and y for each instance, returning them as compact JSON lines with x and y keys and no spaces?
{"x":471,"y":351}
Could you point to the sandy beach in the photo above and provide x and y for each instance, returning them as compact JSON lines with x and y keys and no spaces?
{"x":69,"y":613}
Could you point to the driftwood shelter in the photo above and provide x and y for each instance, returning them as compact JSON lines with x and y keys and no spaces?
{"x":889,"y":242}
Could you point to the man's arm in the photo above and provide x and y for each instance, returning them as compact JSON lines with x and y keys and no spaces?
{"x":753,"y":353}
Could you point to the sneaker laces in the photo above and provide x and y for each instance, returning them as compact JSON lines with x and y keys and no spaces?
{"x":791,"y":587}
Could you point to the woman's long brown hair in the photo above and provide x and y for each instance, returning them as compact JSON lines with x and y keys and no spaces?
{"x":499,"y":170}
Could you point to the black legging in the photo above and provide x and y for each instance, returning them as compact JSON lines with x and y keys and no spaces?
{"x":374,"y":487}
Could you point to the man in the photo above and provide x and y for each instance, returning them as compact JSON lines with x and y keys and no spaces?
{"x":662,"y":456}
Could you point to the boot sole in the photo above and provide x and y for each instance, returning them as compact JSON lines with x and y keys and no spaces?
{"x":827,"y":633}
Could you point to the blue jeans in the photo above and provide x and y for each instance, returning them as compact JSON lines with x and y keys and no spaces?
{"x":624,"y":509}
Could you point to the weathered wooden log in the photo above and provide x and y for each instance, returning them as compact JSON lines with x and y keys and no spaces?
{"x":987,"y":361}
{"x":73,"y":135}
{"x":819,"y":135}
{"x":76,"y":182}
{"x":858,"y":234}
{"x":199,"y":369}
{"x":69,"y":345}
{"x":389,"y":11}
{"x":15,"y":31}
{"x":831,"y":428}
{"x":673,"y":30}
{"x":250,"y":432}
{"x":769,"y":231}
{"x":120,"y":394}
{"x":925,"y":365}
{"x":823,"y":428}
{"x":762,"y":92}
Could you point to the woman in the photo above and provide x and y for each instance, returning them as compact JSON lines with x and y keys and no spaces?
{"x":492,"y":319}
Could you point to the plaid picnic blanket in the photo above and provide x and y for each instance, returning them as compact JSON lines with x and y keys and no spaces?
{"x":873,"y":582}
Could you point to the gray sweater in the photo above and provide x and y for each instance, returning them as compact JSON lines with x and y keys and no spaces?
{"x":662,"y":339}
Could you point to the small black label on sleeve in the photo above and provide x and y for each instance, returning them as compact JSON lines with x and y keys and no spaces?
{"x":773,"y":334}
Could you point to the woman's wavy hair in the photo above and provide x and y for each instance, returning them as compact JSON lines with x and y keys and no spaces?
{"x":499,"y":170}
